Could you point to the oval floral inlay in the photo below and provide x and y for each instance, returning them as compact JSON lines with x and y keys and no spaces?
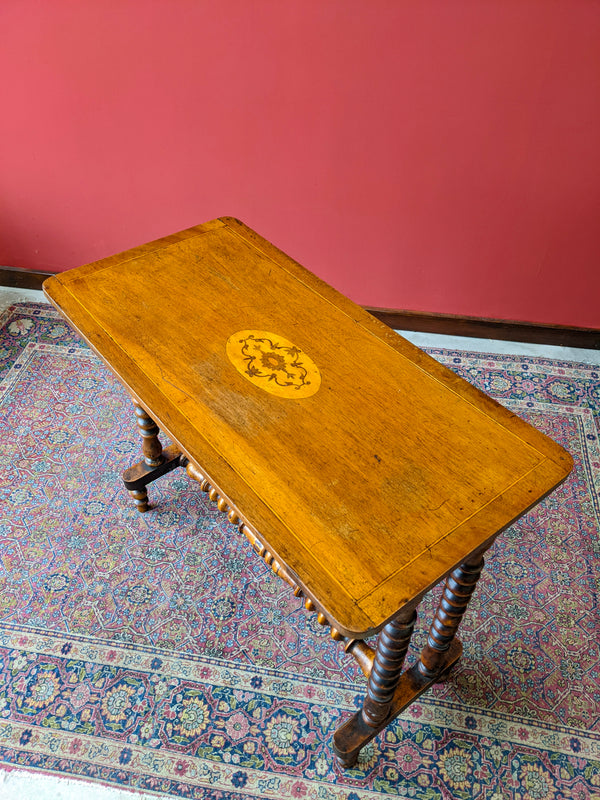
{"x":273,"y":363}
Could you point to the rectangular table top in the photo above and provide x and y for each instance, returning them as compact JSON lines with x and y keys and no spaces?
{"x":367,"y":468}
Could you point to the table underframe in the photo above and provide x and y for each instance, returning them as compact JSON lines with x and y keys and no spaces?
{"x":390,"y":687}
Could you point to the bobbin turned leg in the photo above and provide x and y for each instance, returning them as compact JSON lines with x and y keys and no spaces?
{"x":392,"y":644}
{"x":459,"y":587}
{"x":148,"y":429}
{"x":390,"y":690}
{"x":156,"y":461}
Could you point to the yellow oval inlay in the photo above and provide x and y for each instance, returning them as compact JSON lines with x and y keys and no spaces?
{"x":273,"y":363}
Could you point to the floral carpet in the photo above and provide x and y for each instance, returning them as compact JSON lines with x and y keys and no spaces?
{"x":157,"y":652}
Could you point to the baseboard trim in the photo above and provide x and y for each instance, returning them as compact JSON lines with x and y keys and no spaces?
{"x":447,"y":324}
{"x":481,"y":328}
{"x":17,"y":278}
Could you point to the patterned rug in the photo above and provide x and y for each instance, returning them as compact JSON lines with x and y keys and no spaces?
{"x":158,"y":652}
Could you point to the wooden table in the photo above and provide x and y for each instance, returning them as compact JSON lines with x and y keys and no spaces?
{"x":359,"y":468}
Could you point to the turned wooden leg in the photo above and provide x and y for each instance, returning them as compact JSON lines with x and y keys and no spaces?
{"x":140,"y":498}
{"x":385,"y":696}
{"x":392,"y":644}
{"x":152,"y":450}
{"x":151,"y":446}
{"x":390,"y":690}
{"x":459,"y":587}
{"x":156,"y":460}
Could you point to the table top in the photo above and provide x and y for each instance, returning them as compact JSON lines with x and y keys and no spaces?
{"x":367,"y":468}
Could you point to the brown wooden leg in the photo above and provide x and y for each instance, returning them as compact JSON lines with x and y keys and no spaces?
{"x":392,"y":644}
{"x":152,"y":450}
{"x":384,"y":677}
{"x":459,"y":587}
{"x":156,"y":461}
{"x":390,"y":690}
{"x":140,"y":498}
{"x":151,"y":446}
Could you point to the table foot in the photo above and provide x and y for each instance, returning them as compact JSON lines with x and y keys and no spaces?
{"x":355,"y":733}
{"x":136,"y":478}
{"x":156,"y":461}
{"x":140,"y":498}
{"x":445,"y":675}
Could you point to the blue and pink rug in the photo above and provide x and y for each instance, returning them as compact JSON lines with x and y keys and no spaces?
{"x":158,"y":652}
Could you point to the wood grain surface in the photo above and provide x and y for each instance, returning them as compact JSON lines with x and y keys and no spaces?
{"x":371,"y":488}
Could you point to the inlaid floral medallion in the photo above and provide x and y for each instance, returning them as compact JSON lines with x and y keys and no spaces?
{"x":273,"y":363}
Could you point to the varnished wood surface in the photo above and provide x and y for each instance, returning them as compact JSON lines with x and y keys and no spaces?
{"x":368,"y":490}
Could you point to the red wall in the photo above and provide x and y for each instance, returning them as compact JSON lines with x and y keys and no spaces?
{"x":435,"y":156}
